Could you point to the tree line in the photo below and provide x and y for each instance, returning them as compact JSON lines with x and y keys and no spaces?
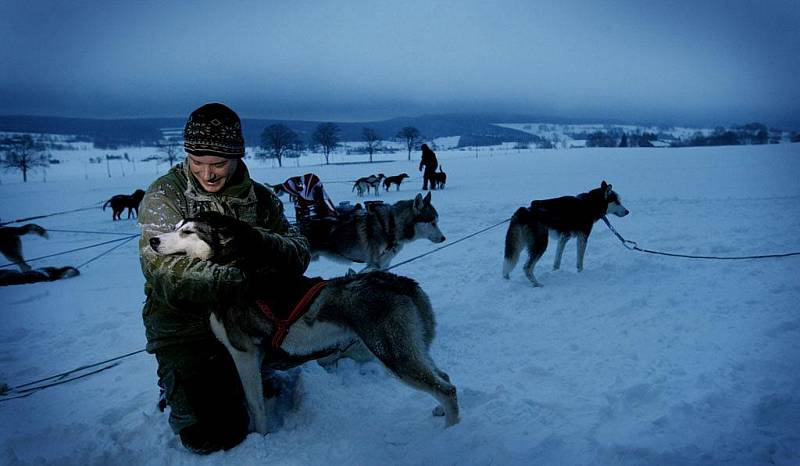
{"x":750,"y":133}
{"x":24,"y":154}
{"x":279,"y":141}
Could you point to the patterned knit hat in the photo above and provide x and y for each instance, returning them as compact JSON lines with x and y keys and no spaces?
{"x":214,"y":129}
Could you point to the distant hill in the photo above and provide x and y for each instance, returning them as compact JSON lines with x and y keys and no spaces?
{"x":148,"y":131}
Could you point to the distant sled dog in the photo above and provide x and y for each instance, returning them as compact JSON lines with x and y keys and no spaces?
{"x":11,"y":245}
{"x":363,"y":185}
{"x":122,"y":201}
{"x":564,"y":218}
{"x":396,"y":180}
{"x":376,"y":234}
{"x":438,"y":179}
{"x":388,"y":314}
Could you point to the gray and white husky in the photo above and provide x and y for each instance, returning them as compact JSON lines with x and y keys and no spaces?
{"x":362,"y":185}
{"x":390,"y":315}
{"x":564,"y":218}
{"x":375,"y":235}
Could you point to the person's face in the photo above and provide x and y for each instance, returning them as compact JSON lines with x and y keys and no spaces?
{"x":212,"y":172}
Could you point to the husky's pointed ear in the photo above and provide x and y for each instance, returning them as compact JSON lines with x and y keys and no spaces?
{"x":427,"y":200}
{"x":418,"y":201}
{"x":604,"y":185}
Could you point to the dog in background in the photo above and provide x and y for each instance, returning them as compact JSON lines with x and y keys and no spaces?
{"x":388,"y":314}
{"x":360,"y":187}
{"x":11,"y":246}
{"x":396,"y":180}
{"x":363,"y":185}
{"x":122,"y":201}
{"x":374,"y":182}
{"x":563,"y":218}
{"x":439,"y":179}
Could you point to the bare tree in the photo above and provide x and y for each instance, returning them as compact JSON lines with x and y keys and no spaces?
{"x":373,"y":140}
{"x":24,"y":154}
{"x":170,"y":151}
{"x":327,"y":136}
{"x":277,"y":140}
{"x":412,"y":136}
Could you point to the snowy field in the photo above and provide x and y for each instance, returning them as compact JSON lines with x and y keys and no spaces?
{"x":638,"y":360}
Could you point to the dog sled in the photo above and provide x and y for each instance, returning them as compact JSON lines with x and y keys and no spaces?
{"x":371,"y":234}
{"x":315,"y":213}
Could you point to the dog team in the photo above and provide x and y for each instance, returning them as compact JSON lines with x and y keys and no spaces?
{"x":227,"y":295}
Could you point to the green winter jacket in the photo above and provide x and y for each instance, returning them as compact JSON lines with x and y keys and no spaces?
{"x":181,"y":291}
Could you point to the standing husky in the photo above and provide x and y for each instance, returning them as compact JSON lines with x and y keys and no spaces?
{"x":363,"y":185}
{"x":563,"y":217}
{"x":122,"y":201}
{"x":388,"y":314}
{"x":396,"y":180}
{"x":376,"y":235}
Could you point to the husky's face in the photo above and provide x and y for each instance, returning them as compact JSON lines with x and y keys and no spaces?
{"x":614,"y":201}
{"x":426,"y":220}
{"x":187,"y":239}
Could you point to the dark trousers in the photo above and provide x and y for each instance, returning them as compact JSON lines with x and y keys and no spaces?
{"x":428,"y":177}
{"x":203,"y":389}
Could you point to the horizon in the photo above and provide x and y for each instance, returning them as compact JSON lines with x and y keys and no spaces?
{"x":710,"y":64}
{"x":514,"y":118}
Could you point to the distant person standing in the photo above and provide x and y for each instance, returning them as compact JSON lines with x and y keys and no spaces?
{"x":431,"y":164}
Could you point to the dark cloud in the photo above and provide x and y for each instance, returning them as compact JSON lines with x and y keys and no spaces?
{"x":699,"y":62}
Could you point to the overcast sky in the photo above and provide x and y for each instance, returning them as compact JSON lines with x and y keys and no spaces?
{"x":689,"y":61}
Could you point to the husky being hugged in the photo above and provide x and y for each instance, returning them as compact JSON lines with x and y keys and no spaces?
{"x":562,"y":217}
{"x":390,"y":315}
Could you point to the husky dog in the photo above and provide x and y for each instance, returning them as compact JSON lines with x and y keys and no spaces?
{"x":364,"y":184}
{"x":378,"y":233}
{"x":562,"y":217}
{"x":11,"y":246}
{"x":360,"y":187}
{"x":438,"y":179}
{"x":122,"y":201}
{"x":374,"y":182}
{"x":43,"y":274}
{"x":390,"y":180}
{"x":388,"y":314}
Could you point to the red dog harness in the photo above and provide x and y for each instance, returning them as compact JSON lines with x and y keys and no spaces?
{"x":281,"y":326}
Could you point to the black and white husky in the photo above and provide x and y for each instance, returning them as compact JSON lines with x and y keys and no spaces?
{"x":562,"y":217}
{"x":375,"y":235}
{"x":390,"y":315}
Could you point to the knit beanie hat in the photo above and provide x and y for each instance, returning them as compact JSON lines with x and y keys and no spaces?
{"x":214,"y":129}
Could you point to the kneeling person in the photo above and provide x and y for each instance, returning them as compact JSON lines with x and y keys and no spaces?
{"x":195,"y":372}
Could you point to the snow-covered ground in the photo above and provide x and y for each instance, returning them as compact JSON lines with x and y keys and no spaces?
{"x":638,"y":360}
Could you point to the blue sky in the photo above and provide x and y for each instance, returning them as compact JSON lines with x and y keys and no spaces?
{"x":698,"y":62}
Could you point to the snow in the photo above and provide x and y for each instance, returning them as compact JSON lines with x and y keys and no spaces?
{"x":637,"y":360}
